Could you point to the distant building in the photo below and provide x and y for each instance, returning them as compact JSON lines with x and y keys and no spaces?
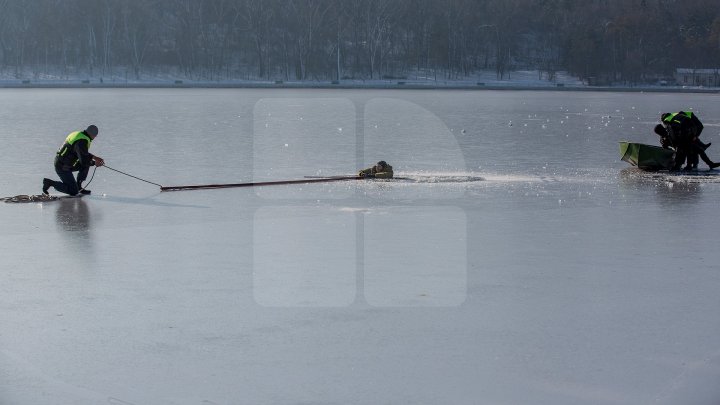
{"x":697,"y":77}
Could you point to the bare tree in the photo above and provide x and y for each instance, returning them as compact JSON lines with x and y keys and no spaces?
{"x":310,"y":15}
{"x":257,"y":16}
{"x":375,"y":20}
{"x":608,"y":40}
{"x":138,"y":24}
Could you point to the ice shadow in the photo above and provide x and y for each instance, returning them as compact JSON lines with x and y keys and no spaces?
{"x":671,"y":187}
{"x":436,"y":178}
{"x":73,"y":215}
{"x":149,"y":201}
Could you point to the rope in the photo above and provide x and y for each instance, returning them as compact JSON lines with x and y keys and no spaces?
{"x":91,"y":178}
{"x":130,"y":175}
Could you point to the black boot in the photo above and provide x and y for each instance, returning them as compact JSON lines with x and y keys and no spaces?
{"x":85,"y":192}
{"x":714,"y":165}
{"x":46,"y":186}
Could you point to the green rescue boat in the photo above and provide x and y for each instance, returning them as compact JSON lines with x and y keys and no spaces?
{"x":647,"y":157}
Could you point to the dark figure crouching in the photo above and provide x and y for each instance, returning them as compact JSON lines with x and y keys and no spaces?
{"x":681,"y":131}
{"x":73,"y":156}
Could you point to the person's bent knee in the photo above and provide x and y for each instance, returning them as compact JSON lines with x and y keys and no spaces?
{"x":73,"y":190}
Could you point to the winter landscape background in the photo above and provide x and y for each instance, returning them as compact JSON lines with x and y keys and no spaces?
{"x":605,"y":42}
{"x":516,"y":259}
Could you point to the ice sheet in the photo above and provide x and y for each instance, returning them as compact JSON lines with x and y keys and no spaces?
{"x":522,"y":262}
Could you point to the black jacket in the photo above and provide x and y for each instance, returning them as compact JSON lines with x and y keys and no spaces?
{"x":74,"y":157}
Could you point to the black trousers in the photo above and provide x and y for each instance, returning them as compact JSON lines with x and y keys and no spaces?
{"x":69,"y":185}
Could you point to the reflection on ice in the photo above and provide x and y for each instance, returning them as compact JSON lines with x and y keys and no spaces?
{"x":149,"y":201}
{"x":426,"y":263}
{"x":695,"y":177}
{"x":431,"y":178}
{"x":394,"y":256}
{"x":72,"y":214}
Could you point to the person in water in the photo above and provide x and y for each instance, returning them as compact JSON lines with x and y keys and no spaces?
{"x":681,"y":131}
{"x":73,"y":156}
{"x":381,"y":170}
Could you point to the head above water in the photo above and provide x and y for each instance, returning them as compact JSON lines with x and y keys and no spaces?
{"x":661,"y":130}
{"x":381,"y":165}
{"x":92,"y":131}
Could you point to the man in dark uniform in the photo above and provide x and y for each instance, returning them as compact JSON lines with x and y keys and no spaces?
{"x":73,"y":156}
{"x":681,"y":131}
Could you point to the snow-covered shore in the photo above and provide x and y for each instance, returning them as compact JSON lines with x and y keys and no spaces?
{"x":517,"y":80}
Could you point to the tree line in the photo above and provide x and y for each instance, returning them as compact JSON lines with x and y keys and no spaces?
{"x":616,"y":41}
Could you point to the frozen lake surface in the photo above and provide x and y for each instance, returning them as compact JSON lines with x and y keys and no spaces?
{"x":519,"y":261}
